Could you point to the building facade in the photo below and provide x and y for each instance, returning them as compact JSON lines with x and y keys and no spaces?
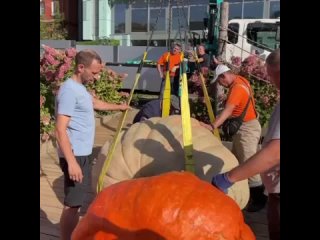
{"x":47,"y":8}
{"x":69,"y":10}
{"x":132,"y":21}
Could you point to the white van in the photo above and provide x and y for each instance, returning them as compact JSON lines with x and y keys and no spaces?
{"x":259,"y":36}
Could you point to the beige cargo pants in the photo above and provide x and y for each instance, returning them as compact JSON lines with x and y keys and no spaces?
{"x":245,"y":144}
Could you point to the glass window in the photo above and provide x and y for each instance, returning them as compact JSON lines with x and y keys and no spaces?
{"x":139,"y":20}
{"x":139,"y":4}
{"x":197,"y":2}
{"x":179,"y":16}
{"x":158,"y":43}
{"x":235,"y":11}
{"x":274,"y":9}
{"x":156,"y":3}
{"x":253,"y":10}
{"x":139,"y":42}
{"x":263,"y":35}
{"x":233,"y":32}
{"x":161,"y":24}
{"x":120,"y":18}
{"x":41,"y":8}
{"x":197,"y":14}
{"x":53,"y":8}
{"x":84,"y":11}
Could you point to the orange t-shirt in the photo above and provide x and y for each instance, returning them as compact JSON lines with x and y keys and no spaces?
{"x":238,"y":96}
{"x":174,"y":60}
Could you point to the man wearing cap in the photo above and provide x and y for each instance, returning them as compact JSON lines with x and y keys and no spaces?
{"x":246,"y":139}
{"x":154,"y":109}
{"x":174,"y":65}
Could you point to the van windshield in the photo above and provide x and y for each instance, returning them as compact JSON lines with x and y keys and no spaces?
{"x":263,"y":35}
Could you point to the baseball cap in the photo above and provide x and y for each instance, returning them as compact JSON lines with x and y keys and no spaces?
{"x":219,"y":70}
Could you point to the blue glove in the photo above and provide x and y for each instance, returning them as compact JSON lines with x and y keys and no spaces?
{"x":222,"y":182}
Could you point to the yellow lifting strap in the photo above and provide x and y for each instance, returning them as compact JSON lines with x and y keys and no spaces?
{"x":186,"y":121}
{"x":206,"y":97}
{"x":167,"y":90}
{"x":106,"y":163}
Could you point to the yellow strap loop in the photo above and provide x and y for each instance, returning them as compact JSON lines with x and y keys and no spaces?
{"x":167,"y":90}
{"x":206,"y":98}
{"x":186,"y":123}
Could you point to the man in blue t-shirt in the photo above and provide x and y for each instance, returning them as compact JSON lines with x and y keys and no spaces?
{"x":153,"y":109}
{"x":75,"y":130}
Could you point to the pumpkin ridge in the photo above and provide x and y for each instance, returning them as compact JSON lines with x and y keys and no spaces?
{"x":102,"y":218}
{"x":140,"y":159}
{"x":115,"y":159}
{"x":176,"y":139}
{"x":150,"y":132}
{"x":130,"y":131}
{"x":156,"y":206}
{"x":142,"y":189}
{"x":207,"y":146}
{"x":162,"y":124}
{"x":125,"y":162}
{"x":192,"y":190}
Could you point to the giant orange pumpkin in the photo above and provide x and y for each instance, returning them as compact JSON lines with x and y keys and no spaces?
{"x":170,"y":206}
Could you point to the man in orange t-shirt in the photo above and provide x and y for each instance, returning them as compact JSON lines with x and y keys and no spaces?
{"x":246,"y":140}
{"x":174,"y":64}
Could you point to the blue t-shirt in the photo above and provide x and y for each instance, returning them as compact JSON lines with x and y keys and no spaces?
{"x":74,"y":100}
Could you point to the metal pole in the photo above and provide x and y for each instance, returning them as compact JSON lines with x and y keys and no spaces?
{"x":169,"y":23}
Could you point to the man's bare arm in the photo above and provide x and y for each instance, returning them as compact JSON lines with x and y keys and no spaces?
{"x":74,"y":169}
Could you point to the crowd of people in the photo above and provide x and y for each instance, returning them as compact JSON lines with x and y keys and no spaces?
{"x":75,"y":131}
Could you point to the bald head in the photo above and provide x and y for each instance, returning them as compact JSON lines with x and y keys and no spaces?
{"x":273,"y":60}
{"x":273,"y":67}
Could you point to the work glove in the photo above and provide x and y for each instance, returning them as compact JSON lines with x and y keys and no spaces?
{"x":222,"y":182}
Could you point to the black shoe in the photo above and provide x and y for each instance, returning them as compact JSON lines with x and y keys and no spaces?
{"x":257,"y":199}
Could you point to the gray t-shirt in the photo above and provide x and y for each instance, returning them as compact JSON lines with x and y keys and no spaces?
{"x":271,"y":178}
